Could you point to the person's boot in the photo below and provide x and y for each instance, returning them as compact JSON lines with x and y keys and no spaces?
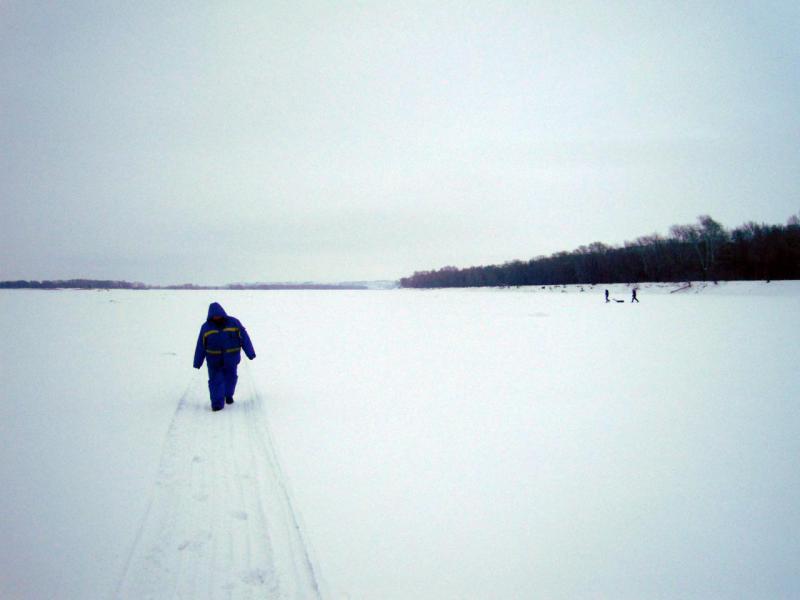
{"x":228,"y":399}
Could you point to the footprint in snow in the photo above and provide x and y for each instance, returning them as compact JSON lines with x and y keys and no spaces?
{"x":239,"y":514}
{"x":189,"y":544}
{"x":258,"y":577}
{"x":195,"y":544}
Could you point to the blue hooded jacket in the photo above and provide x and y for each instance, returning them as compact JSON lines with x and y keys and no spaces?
{"x":220,"y":344}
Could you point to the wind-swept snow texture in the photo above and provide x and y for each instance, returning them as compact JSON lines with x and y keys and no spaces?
{"x":221,"y":523}
{"x":404,"y":444}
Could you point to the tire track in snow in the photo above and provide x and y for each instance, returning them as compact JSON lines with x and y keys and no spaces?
{"x":220,"y":524}
{"x":301,"y":558}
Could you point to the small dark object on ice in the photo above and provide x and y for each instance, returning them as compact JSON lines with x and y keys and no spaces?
{"x":620,"y":301}
{"x":228,"y":399}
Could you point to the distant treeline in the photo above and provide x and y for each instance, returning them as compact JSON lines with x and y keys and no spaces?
{"x":295,"y":286}
{"x":702,"y":251}
{"x":81,"y":284}
{"x":93,"y":284}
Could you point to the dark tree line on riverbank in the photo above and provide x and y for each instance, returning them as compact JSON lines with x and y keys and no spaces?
{"x":701,"y":251}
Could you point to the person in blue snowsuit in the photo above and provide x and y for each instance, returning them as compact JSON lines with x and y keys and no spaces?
{"x":221,"y":340}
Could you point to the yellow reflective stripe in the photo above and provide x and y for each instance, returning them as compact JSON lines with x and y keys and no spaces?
{"x":231,"y":329}
{"x":208,"y":333}
{"x":232,"y":349}
{"x":214,"y":351}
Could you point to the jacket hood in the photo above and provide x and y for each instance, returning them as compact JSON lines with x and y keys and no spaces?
{"x":215,"y":310}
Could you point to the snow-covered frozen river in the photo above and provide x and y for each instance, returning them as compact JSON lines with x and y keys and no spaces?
{"x":518,"y":443}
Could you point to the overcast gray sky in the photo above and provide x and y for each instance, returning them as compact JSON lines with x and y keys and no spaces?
{"x":264,"y":141}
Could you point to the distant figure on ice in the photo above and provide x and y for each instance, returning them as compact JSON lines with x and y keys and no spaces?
{"x":220,"y":341}
{"x":607,"y":296}
{"x":633,"y":295}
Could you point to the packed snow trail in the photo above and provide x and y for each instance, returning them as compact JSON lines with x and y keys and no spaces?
{"x":220,"y":523}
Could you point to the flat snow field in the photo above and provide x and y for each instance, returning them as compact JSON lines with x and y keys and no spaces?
{"x":408,"y":444}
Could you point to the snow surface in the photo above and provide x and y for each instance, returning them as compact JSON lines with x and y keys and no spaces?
{"x":481,"y":443}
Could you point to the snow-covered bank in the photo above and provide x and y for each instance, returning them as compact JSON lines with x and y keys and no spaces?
{"x":623,"y":290}
{"x":483,"y":443}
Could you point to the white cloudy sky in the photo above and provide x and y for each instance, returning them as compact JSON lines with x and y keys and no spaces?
{"x":253,"y":141}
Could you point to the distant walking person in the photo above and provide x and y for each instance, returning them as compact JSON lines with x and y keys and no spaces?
{"x":607,"y":300}
{"x":220,"y":341}
{"x":633,"y":295}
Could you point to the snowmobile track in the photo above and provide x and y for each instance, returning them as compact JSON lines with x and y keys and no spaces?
{"x":220,"y":524}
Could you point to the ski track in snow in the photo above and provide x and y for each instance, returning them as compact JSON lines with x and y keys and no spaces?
{"x":220,"y":523}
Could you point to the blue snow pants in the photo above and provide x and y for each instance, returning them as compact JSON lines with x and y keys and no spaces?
{"x":221,"y":383}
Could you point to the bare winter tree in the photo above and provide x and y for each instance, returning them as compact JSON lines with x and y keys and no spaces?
{"x":713,"y":236}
